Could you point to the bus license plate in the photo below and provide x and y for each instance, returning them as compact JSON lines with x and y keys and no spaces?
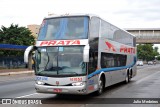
{"x":57,"y":90}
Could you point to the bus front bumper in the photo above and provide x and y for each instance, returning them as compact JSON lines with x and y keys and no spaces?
{"x":61,"y":89}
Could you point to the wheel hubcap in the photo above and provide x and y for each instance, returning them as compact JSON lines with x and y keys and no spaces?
{"x":100,"y":86}
{"x":127,"y":78}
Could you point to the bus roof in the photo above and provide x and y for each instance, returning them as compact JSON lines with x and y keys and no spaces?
{"x":84,"y":14}
{"x":68,"y":15}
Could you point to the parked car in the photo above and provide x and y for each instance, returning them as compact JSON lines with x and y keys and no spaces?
{"x":154,"y":62}
{"x":150,"y":62}
{"x":139,"y":63}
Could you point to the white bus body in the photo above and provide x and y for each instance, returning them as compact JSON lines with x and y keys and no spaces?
{"x":81,"y":54}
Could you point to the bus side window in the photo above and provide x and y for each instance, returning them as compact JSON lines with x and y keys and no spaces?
{"x":109,"y":60}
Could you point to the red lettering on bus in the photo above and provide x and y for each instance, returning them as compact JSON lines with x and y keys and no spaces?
{"x":52,"y":43}
{"x":77,"y":42}
{"x":123,"y":49}
{"x":61,"y":42}
{"x":71,"y":79}
{"x":44,"y":43}
{"x":134,"y":50}
{"x":128,"y":50}
{"x":76,"y":79}
{"x":67,"y":42}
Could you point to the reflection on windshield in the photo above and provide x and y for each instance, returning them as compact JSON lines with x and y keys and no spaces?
{"x":64,"y":28}
{"x":60,"y":61}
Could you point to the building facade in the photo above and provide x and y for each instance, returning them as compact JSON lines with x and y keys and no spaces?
{"x":34,"y":29}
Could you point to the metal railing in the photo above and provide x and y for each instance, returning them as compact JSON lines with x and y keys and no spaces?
{"x":12,"y":62}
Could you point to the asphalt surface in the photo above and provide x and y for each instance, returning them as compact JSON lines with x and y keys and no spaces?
{"x":145,"y":85}
{"x":6,"y":72}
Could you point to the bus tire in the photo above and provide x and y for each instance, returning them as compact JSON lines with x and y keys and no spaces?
{"x":130,"y":74}
{"x":101,"y":86}
{"x":127,"y":78}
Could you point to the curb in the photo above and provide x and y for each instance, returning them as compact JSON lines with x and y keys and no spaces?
{"x":14,"y":73}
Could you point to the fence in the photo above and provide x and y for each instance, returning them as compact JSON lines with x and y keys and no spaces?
{"x":12,"y":62}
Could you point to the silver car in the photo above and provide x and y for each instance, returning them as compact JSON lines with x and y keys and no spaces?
{"x":150,"y":62}
{"x":139,"y":63}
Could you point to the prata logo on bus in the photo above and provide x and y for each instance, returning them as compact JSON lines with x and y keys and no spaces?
{"x":129,"y":50}
{"x":123,"y":48}
{"x":60,"y":42}
{"x":110,"y":47}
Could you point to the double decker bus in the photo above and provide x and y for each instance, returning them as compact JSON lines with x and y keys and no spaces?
{"x":81,"y":54}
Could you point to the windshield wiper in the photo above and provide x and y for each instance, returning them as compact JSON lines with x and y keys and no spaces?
{"x":55,"y":68}
{"x":69,"y":73}
{"x":48,"y":60}
{"x":75,"y":73}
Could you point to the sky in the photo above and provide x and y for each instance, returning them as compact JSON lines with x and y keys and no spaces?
{"x":122,"y":13}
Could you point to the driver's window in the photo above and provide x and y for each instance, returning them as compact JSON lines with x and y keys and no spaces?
{"x":93,"y":59}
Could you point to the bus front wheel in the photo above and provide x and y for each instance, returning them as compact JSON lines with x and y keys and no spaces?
{"x":101,"y":86}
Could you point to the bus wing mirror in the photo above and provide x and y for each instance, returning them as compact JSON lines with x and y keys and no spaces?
{"x":27,"y":52}
{"x":86,"y":53}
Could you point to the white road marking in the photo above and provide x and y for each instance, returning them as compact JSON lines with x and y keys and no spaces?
{"x":27,"y":95}
{"x":146,"y":78}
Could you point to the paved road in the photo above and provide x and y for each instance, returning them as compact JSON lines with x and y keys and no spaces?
{"x":145,"y":85}
{"x":16,"y":85}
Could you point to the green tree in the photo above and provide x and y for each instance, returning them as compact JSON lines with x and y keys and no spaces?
{"x":158,"y":58}
{"x":147,"y":52}
{"x":155,"y":51}
{"x":17,"y":36}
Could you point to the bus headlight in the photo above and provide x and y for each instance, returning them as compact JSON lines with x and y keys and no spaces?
{"x":78,"y":83}
{"x":40,"y":83}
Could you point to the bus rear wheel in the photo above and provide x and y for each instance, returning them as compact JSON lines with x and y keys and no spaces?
{"x":128,"y":77}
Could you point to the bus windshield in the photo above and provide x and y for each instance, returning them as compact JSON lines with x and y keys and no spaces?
{"x":64,"y":28}
{"x":60,"y":61}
